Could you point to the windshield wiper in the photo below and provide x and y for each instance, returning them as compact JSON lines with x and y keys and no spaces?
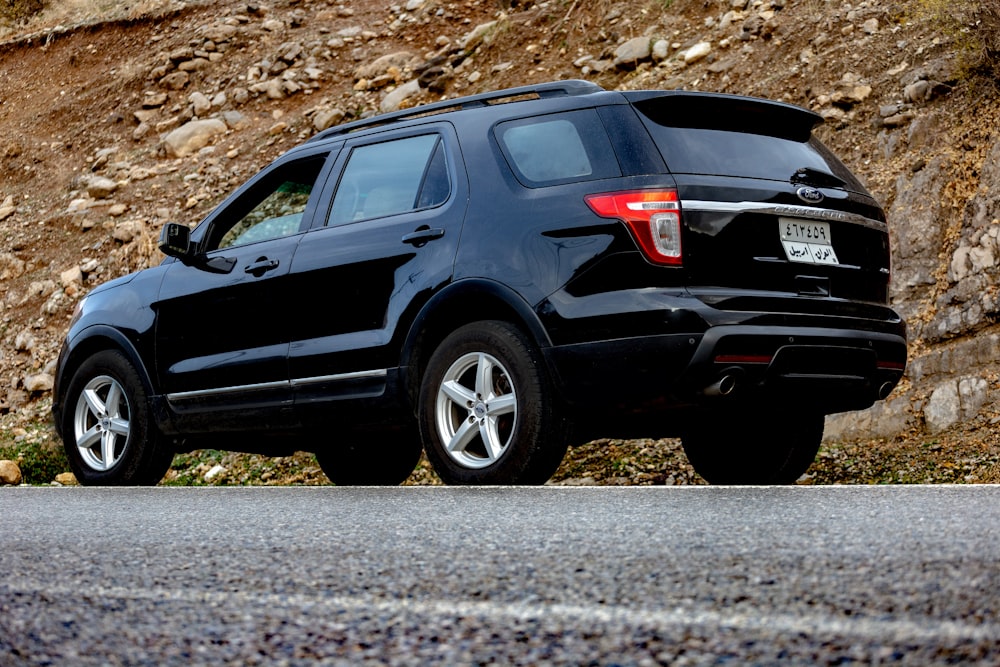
{"x":815,"y":177}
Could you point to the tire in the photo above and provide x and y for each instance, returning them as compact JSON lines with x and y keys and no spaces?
{"x":487,"y":411}
{"x":753,"y":446}
{"x":107,"y":432}
{"x":382,"y":460}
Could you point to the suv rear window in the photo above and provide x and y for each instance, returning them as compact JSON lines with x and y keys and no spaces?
{"x":558,"y":148}
{"x":740,"y":139}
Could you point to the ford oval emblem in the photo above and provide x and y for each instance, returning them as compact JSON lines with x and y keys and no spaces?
{"x":810,"y":195}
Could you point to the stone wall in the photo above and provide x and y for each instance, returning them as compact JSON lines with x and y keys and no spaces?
{"x":945,"y":223}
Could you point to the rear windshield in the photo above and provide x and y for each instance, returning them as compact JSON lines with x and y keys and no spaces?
{"x":743,"y":142}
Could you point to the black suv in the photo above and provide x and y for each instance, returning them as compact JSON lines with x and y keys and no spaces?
{"x":492,"y":278}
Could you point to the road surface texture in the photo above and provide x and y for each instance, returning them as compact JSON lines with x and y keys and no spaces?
{"x":459,"y":576}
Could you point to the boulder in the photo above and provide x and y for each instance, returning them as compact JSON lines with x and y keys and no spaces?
{"x":193,"y":136}
{"x":394,"y":100}
{"x":7,"y":208}
{"x":176,"y":80}
{"x":10,"y":473}
{"x":635,"y":50}
{"x":327,"y":118}
{"x":38,"y":383}
{"x":200,"y":103}
{"x":100,"y":187}
{"x":66,"y":479}
{"x":382,"y":65}
{"x":697,"y":52}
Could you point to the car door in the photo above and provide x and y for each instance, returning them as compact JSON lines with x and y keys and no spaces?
{"x":388,"y":242}
{"x":221,"y":334}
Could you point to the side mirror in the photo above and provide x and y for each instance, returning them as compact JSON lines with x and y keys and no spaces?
{"x":175,"y":240}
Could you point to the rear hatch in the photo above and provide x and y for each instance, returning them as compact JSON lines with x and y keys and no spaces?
{"x":768,"y":212}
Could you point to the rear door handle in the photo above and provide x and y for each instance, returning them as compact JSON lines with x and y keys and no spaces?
{"x":423,"y":235}
{"x":261,"y":266}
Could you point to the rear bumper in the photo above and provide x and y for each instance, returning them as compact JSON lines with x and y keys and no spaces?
{"x":815,"y":362}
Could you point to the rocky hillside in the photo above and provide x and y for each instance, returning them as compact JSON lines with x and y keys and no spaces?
{"x":116,"y":122}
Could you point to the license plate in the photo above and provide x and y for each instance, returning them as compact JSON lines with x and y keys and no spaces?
{"x":807,"y":241}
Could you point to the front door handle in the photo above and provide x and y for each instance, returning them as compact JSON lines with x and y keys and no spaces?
{"x":423,"y":235}
{"x":261,"y":266}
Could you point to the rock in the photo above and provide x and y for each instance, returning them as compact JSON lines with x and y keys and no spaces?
{"x":24,"y":342}
{"x":943,"y":408}
{"x":100,"y":187}
{"x":145,"y":115}
{"x":697,"y":52}
{"x":178,"y":56}
{"x":217,"y":471}
{"x":11,"y":266}
{"x":900,"y":119}
{"x":661,"y":49}
{"x":327,"y":118}
{"x":200,"y":103}
{"x":850,"y":93}
{"x":53,"y":306}
{"x":7,"y":209}
{"x":153,"y":100}
{"x":632,"y":52}
{"x":193,"y":136}
{"x":273,"y":88}
{"x":38,"y":383}
{"x":127,"y":230}
{"x":399,"y":60}
{"x":71,"y":276}
{"x":870,"y":27}
{"x":10,"y":473}
{"x":193,"y":65}
{"x":393,"y":101}
{"x":235,"y":120}
{"x":218,"y":32}
{"x":66,"y":479}
{"x":972,"y":394}
{"x":291,"y":52}
{"x":478,"y":35}
{"x":917,"y":92}
{"x":175,"y":81}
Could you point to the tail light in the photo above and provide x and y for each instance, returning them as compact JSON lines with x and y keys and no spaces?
{"x":653,"y":217}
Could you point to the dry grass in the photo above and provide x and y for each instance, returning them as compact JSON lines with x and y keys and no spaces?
{"x":974,"y":25}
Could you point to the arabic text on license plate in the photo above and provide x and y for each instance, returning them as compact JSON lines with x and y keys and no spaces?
{"x":807,"y":241}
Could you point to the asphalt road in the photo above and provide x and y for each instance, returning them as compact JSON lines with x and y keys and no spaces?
{"x":629,"y":576}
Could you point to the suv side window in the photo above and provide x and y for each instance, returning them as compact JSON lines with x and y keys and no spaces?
{"x":271,"y":208}
{"x":558,"y":148}
{"x":392,"y":177}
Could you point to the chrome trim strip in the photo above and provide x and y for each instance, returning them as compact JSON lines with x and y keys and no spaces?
{"x":358,"y":375}
{"x":202,"y":393}
{"x":807,"y":212}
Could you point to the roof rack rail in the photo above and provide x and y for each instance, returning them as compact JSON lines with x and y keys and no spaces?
{"x":551,"y":89}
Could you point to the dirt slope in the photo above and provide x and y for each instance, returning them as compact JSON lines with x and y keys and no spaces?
{"x":88,"y":95}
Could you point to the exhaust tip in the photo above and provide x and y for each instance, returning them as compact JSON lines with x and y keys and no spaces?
{"x":724,"y":386}
{"x":885,"y":390}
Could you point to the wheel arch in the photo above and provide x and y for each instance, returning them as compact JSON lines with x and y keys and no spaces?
{"x":461,"y":303}
{"x":87,"y":343}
